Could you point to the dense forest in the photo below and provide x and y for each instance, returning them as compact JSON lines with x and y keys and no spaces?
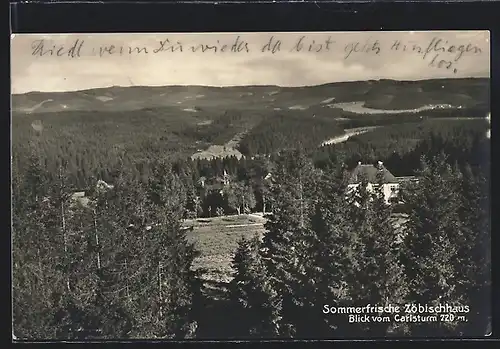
{"x":96,"y":143}
{"x":319,"y":251}
{"x":101,"y":273}
{"x":90,"y":156}
{"x":121,"y":265}
{"x":400,"y":146}
{"x":283,"y":132}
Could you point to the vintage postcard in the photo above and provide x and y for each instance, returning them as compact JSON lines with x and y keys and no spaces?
{"x":264,"y":185}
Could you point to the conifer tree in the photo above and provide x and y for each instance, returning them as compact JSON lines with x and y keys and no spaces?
{"x":114,"y":260}
{"x":145,"y":285}
{"x":431,"y":233}
{"x":37,"y":283}
{"x":377,"y":272}
{"x":330,"y":248}
{"x":251,"y":292}
{"x":61,"y":256}
{"x":239,"y":196}
{"x":284,"y":243}
{"x":72,"y":221}
{"x":473,"y":260}
{"x":164,"y":289}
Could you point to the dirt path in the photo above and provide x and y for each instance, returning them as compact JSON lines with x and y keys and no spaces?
{"x":235,"y":141}
{"x":29,"y":110}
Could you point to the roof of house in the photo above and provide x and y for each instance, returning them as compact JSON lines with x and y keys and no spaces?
{"x":406,"y":178}
{"x":369,"y":172}
{"x":214,"y":186}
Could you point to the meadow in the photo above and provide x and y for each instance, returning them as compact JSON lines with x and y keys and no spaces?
{"x":217,"y":239}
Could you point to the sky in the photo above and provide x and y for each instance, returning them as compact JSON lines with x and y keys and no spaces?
{"x":374,"y":57}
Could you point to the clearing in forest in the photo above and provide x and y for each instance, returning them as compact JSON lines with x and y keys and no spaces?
{"x":217,"y":239}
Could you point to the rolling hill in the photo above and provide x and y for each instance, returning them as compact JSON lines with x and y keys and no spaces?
{"x":380,"y":94}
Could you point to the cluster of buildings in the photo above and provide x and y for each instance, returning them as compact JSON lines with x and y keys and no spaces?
{"x":370,"y":174}
{"x":367,"y":173}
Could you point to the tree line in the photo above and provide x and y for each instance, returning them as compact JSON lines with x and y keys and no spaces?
{"x":121,"y":267}
{"x":93,"y":145}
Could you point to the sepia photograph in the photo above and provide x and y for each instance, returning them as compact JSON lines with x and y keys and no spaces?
{"x":253,"y":185}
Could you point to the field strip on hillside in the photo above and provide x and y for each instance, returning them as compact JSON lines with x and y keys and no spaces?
{"x":228,"y":149}
{"x":348,"y":134}
{"x":358,"y":107}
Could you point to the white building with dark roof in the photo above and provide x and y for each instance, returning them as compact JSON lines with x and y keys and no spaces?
{"x":102,"y":185}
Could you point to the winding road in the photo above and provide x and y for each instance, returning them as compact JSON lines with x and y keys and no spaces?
{"x":36,"y":106}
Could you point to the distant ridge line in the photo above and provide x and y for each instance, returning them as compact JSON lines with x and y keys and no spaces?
{"x":248,"y":86}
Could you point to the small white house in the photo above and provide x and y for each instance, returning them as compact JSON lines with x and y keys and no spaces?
{"x":102,"y":185}
{"x":369,"y":172}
